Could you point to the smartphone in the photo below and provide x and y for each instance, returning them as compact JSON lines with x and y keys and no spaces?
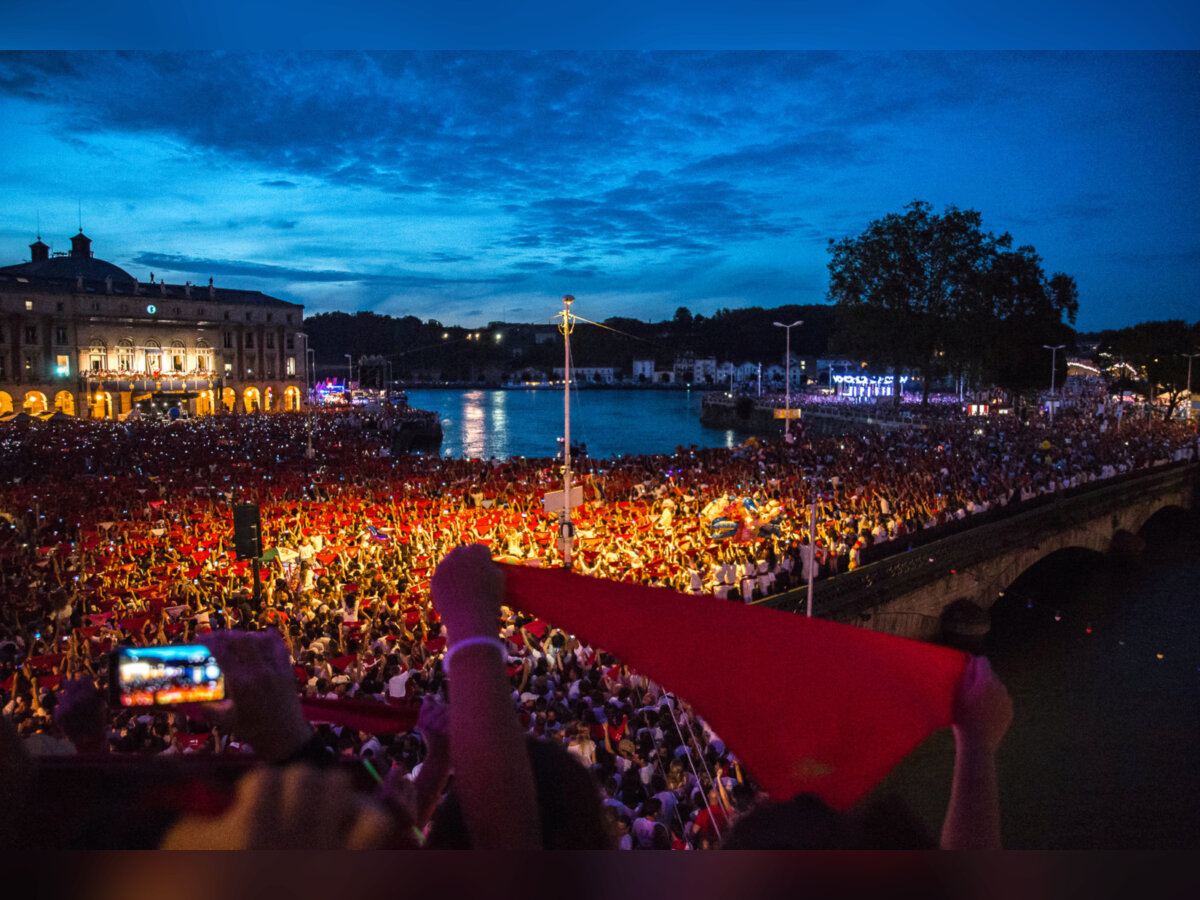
{"x":164,"y":675}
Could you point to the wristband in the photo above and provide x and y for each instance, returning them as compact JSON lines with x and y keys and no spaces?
{"x":470,"y":642}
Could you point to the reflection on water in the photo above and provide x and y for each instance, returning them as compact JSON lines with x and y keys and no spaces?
{"x":480,"y":424}
{"x":473,"y":428}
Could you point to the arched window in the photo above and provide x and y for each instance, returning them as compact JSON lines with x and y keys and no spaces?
{"x":97,"y":356}
{"x":125,"y":355}
{"x":204,"y":356}
{"x":154,"y":356}
{"x":178,"y":357}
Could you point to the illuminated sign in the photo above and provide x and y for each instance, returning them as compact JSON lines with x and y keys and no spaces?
{"x":868,"y":380}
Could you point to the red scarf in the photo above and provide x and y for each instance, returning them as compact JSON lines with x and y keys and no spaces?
{"x":809,"y":706}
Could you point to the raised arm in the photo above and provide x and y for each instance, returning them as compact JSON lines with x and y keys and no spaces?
{"x":982,"y":714}
{"x":493,"y":774}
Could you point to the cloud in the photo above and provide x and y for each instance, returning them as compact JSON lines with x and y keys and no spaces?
{"x":286,"y":274}
{"x":279,"y":183}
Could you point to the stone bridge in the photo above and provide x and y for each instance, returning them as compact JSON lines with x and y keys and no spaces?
{"x":907,"y":593}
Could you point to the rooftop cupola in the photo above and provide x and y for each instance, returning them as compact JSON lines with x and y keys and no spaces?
{"x":81,"y":245}
{"x":39,"y":252}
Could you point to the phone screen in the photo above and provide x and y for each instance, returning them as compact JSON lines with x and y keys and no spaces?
{"x":160,"y":676}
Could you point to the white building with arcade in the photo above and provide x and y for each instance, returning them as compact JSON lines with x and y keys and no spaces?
{"x":82,"y":337}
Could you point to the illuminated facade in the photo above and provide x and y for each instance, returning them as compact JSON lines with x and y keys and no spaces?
{"x":84,"y":337}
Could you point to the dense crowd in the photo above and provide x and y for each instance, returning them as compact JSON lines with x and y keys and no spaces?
{"x":121,"y":533}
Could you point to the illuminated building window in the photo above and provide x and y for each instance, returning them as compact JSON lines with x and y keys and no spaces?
{"x":154,"y":356}
{"x":62,"y":365}
{"x":125,"y":355}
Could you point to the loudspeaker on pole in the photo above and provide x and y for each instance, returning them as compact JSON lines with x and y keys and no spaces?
{"x":247,"y":531}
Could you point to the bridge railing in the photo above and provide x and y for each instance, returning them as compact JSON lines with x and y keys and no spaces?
{"x":906,"y":565}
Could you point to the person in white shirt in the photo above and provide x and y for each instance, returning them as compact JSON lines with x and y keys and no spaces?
{"x":397,"y":685}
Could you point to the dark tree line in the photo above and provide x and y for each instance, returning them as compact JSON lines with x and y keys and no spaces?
{"x":503,"y":350}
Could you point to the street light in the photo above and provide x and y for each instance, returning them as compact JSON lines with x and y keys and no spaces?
{"x":1053,"y":357}
{"x":349,"y":370}
{"x":1190,"y":357}
{"x":787,"y":378}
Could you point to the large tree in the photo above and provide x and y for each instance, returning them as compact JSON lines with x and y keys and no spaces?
{"x":936,"y":294}
{"x":1025,"y":315}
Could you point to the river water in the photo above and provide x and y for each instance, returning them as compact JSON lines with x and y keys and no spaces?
{"x":1105,"y":743}
{"x":502,"y":423}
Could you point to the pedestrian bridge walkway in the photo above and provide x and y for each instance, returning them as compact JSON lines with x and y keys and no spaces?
{"x":907,"y":593}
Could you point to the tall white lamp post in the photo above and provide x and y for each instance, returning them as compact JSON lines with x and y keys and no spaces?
{"x":1053,"y":358}
{"x":566,"y":530}
{"x":1190,"y":357}
{"x":787,"y":377}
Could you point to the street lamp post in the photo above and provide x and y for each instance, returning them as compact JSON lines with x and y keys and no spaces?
{"x":1053,"y":358}
{"x":566,"y":529}
{"x":787,"y":377}
{"x":349,"y":370}
{"x":1190,"y":357}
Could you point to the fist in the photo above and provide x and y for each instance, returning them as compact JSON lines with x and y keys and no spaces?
{"x":467,"y":590}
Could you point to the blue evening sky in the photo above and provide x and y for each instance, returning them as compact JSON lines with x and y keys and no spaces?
{"x":474,"y":185}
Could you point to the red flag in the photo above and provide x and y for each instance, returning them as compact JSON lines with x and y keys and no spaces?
{"x":365,"y":715}
{"x":809,"y":706}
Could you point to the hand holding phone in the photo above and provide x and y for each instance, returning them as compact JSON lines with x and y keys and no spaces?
{"x":262,"y":688}
{"x":164,"y":675}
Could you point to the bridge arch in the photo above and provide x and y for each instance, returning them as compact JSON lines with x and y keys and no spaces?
{"x":1170,"y":516}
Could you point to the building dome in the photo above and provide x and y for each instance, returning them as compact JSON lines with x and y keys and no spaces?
{"x":79,"y":264}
